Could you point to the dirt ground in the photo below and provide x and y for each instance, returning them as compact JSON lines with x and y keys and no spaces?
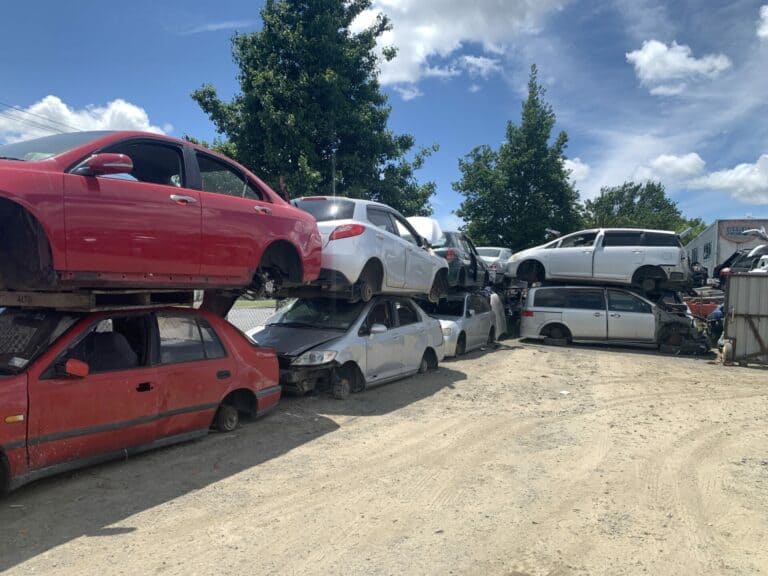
{"x":530,"y":460}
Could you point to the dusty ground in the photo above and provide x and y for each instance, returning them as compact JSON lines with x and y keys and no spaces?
{"x":529,"y":460}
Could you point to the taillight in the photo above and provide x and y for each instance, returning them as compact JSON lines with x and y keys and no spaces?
{"x":493,"y":266}
{"x":528,"y":313}
{"x":450,"y":254}
{"x":347,"y":231}
{"x":725,"y":272}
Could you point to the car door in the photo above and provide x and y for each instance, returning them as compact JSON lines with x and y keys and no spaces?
{"x":382,"y":351}
{"x":419,"y":264}
{"x":238,"y":220}
{"x":476,"y":264}
{"x":619,"y":254}
{"x":572,"y":257}
{"x":113,"y":408}
{"x":630,"y":317}
{"x":585,"y":313}
{"x":194,"y":372}
{"x":393,"y":248}
{"x":482,"y":319}
{"x":412,"y":337}
{"x":138,"y":223}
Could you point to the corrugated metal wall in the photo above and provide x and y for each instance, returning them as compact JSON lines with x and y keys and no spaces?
{"x":746,"y":318}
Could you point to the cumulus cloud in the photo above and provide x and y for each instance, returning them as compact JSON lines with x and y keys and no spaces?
{"x":481,"y":66}
{"x":578,"y":170}
{"x":762,"y":23}
{"x":427,"y":31}
{"x":218,"y":26}
{"x":408,"y":91}
{"x":678,"y":167}
{"x":50,"y":116}
{"x":745,"y":182}
{"x":664,"y":69}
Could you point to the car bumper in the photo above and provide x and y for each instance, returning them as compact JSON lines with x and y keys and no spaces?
{"x":303,"y":379}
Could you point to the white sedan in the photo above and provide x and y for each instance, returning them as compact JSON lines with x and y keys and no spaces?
{"x":370,"y":248}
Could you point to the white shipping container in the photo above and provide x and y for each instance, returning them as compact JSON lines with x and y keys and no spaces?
{"x":746,"y":318}
{"x":721,"y":239}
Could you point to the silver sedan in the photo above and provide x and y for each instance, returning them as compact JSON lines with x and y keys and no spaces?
{"x":467,"y":320}
{"x":346,"y":347}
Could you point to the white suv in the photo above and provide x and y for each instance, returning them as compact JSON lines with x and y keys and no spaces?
{"x":646,"y":259}
{"x":370,"y":248}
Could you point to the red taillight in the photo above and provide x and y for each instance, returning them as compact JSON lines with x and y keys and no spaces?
{"x":347,"y":231}
{"x":450,"y":254}
{"x":528,"y":313}
{"x":725,"y":272}
{"x":493,"y":266}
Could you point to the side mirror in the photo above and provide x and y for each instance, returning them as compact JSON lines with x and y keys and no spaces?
{"x":103,"y":164}
{"x":378,"y":329}
{"x":76,"y":368}
{"x":470,"y":312}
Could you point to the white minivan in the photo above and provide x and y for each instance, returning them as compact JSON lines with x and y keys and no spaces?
{"x":589,"y":314}
{"x":645,"y":259}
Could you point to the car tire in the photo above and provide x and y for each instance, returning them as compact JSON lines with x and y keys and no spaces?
{"x":492,"y":336}
{"x":341,"y":387}
{"x":365,"y":290}
{"x":424,"y":365}
{"x":558,"y":336}
{"x":227,"y":418}
{"x":461,"y":345}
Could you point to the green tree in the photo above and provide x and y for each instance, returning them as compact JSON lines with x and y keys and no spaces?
{"x":513,"y":194}
{"x":633,"y":205}
{"x":311,"y":109}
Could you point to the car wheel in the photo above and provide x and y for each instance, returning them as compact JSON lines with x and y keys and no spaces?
{"x":558,"y":336}
{"x":492,"y":336}
{"x":365,"y":290}
{"x":438,"y":288}
{"x":227,"y":418}
{"x":461,"y":344}
{"x":341,"y":387}
{"x":424,"y":366}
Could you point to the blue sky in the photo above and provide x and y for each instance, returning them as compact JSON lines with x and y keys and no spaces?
{"x":676,"y":92}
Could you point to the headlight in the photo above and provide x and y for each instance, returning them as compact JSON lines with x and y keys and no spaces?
{"x":447,"y":331}
{"x":315,"y":357}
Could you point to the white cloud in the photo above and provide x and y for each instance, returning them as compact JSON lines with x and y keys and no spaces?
{"x":762,"y":23}
{"x":578,"y":170}
{"x":218,"y":26}
{"x":408,"y":91}
{"x":450,"y":222}
{"x":745,"y":182}
{"x":426,"y":31}
{"x":663,"y":68}
{"x":481,"y":66}
{"x":677,"y":167}
{"x":475,"y":88}
{"x":50,"y":115}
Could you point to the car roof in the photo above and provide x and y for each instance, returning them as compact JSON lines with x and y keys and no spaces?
{"x":358,"y":201}
{"x":668,"y":232}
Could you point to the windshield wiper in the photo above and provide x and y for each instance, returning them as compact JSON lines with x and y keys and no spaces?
{"x":292,"y":324}
{"x":12,"y":158}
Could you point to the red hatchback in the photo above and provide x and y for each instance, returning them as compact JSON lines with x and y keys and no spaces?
{"x":80,"y":388}
{"x":138,"y":210}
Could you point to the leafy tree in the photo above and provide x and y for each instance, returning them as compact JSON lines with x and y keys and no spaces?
{"x":633,"y":205}
{"x":311,"y":109}
{"x":513,"y":194}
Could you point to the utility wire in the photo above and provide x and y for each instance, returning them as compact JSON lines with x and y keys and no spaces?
{"x":39,"y":125}
{"x":48,"y":120}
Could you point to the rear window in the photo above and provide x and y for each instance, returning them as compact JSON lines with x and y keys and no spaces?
{"x":624,"y":238}
{"x":656,"y":239}
{"x":489,"y":252}
{"x":549,"y":298}
{"x":327,"y":209}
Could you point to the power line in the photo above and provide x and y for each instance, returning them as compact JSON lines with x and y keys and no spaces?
{"x":49,"y":120}
{"x":32,"y":123}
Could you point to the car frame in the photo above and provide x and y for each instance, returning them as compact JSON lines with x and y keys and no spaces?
{"x":645,"y":259}
{"x":97,"y":386}
{"x":364,"y":354}
{"x":475,"y":327}
{"x":144,"y":211}
{"x":370,"y":249}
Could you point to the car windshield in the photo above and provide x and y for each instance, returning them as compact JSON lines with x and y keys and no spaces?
{"x":25,"y":334}
{"x":446,"y":307}
{"x":447,"y":240}
{"x":490,"y":252}
{"x":322,"y":313}
{"x":325,"y":209}
{"x":47,"y":146}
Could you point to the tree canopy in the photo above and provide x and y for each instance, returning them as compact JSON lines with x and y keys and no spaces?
{"x":311,"y":110}
{"x":513,"y":194}
{"x":637,"y":206}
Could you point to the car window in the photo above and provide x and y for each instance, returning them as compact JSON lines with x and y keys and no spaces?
{"x":578,"y":240}
{"x":479,"y":304}
{"x":406,"y":313}
{"x":381,"y":219}
{"x":490,"y":252}
{"x":326,"y":209}
{"x":379,"y":314}
{"x":405,"y":231}
{"x":656,"y":239}
{"x":588,"y":299}
{"x":212,"y":346}
{"x":625,"y":302}
{"x":27,"y":333}
{"x":153,"y":162}
{"x":116,"y":343}
{"x":550,"y":298}
{"x":221,"y":178}
{"x":623,"y":238}
{"x":180,"y":339}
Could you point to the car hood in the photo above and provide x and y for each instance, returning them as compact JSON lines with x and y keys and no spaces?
{"x":293,"y":341}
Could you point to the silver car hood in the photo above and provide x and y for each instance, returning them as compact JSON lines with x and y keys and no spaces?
{"x":290,"y":341}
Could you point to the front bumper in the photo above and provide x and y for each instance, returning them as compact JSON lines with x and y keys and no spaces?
{"x":303,"y":379}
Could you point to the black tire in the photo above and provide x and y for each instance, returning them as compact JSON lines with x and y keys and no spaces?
{"x":558,"y":336}
{"x":365,"y":290}
{"x":492,"y":336}
{"x":227,"y":418}
{"x":461,"y":344}
{"x":424,"y":365}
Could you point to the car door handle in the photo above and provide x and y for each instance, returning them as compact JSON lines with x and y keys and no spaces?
{"x":181,"y":199}
{"x":263,"y":210}
{"x":615,"y":315}
{"x":223,"y":374}
{"x":587,"y":251}
{"x":597,"y":314}
{"x":144,"y":387}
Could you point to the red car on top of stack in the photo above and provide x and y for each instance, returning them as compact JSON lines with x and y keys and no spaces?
{"x":143,"y":211}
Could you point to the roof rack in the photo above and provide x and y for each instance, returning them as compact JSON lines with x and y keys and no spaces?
{"x":94,"y":300}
